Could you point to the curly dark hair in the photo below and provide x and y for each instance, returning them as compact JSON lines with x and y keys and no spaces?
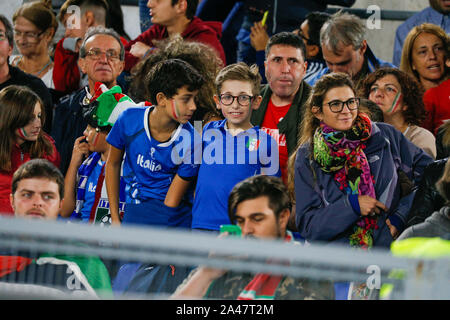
{"x":410,"y":87}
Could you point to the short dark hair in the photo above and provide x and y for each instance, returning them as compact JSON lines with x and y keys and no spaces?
{"x":38,"y":168}
{"x":287,"y":39}
{"x":316,"y":20}
{"x":98,"y":4}
{"x":93,"y":31}
{"x":191,"y":7}
{"x":8,"y":29}
{"x":374,"y":110}
{"x":168,"y":76}
{"x":260,"y":186}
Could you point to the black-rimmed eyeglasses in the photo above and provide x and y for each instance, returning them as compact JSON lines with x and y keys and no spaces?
{"x":242,"y":99}
{"x":337,"y":105}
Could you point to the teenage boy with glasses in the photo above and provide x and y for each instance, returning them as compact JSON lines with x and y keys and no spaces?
{"x":233,"y":149}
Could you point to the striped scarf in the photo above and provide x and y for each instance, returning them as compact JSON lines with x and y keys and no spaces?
{"x":263,"y":286}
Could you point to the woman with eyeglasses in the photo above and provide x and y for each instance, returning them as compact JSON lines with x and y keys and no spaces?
{"x":21,"y":137}
{"x":34,"y":28}
{"x":353,"y":177}
{"x":400,"y":97}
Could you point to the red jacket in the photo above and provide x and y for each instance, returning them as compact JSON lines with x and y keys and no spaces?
{"x":437,"y":103}
{"x":17,"y":159}
{"x":66,"y":74}
{"x":207,"y":32}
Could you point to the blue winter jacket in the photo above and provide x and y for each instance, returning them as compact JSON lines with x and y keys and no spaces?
{"x":324,"y":212}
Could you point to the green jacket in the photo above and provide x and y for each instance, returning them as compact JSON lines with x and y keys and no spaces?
{"x":291,"y":122}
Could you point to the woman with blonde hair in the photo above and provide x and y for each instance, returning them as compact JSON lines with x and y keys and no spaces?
{"x":423,"y":55}
{"x":21,"y":137}
{"x":34,"y":28}
{"x":353,"y":177}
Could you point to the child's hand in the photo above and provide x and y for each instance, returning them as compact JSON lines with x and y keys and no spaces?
{"x":258,"y":36}
{"x":80,"y":150}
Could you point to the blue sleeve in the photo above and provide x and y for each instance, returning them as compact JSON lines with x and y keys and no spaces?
{"x":399,"y":217}
{"x":316,"y":218}
{"x":116,"y":136}
{"x":192,"y":150}
{"x":269,"y":156}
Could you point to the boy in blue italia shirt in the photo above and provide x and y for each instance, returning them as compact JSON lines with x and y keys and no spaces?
{"x":158,"y":144}
{"x":233,"y":149}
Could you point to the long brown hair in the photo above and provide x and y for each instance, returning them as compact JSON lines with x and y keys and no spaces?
{"x":40,"y":14}
{"x":17,"y":105}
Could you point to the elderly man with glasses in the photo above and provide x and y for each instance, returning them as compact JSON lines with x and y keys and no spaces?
{"x":102,"y":59}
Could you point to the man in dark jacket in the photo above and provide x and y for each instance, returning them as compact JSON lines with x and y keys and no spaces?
{"x":170,"y":17}
{"x":102,"y":59}
{"x":280,"y":111}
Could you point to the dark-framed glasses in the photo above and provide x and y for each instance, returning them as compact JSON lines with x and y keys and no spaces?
{"x":337,"y":105}
{"x":242,"y":99}
{"x":96,"y":54}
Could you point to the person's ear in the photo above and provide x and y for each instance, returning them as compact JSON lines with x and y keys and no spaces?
{"x":11,"y":200}
{"x":89,"y":18}
{"x":82,"y":64}
{"x":363,"y":47}
{"x":312,"y":50}
{"x":181,"y":6}
{"x":217,"y":101}
{"x":161,"y":99}
{"x":283,"y":218}
{"x":316,"y":112}
{"x":256,"y":102}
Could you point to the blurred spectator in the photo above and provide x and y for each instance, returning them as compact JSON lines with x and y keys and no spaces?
{"x":202,"y":57}
{"x":345,"y":49}
{"x":169,"y":18}
{"x":400,"y":97}
{"x":437,"y":13}
{"x":424,"y":55}
{"x":114,"y":19}
{"x":12,"y":75}
{"x":443,"y":141}
{"x":283,"y":15}
{"x":34,"y":28}
{"x":260,"y":206}
{"x":102,"y":59}
{"x":21,"y":136}
{"x":427,"y":199}
{"x":438,"y":224}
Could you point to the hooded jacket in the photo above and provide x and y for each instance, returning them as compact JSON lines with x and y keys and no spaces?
{"x":324,"y":212}
{"x":207,"y":32}
{"x":437,"y":225}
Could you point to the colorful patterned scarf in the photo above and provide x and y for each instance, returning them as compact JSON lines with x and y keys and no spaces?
{"x":341,"y":153}
{"x":263,"y":286}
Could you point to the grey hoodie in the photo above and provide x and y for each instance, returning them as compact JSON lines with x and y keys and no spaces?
{"x":436,"y":225}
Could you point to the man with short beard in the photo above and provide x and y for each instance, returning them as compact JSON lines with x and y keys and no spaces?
{"x":280,"y":111}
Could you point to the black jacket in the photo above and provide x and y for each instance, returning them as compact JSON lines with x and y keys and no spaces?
{"x":290,"y":123}
{"x":68,"y":125}
{"x":427,"y":199}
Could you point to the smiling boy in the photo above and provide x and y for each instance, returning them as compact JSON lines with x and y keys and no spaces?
{"x":156,"y":181}
{"x":233,"y":149}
